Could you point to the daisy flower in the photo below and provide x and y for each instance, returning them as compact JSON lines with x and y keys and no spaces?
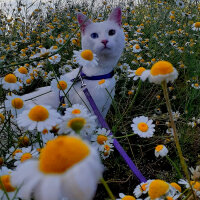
{"x":100,"y":137}
{"x":125,"y":197}
{"x":180,"y":4}
{"x":47,"y":137}
{"x":62,"y":163}
{"x":85,"y":58}
{"x":162,"y":71}
{"x":84,"y":124}
{"x":176,"y":186}
{"x":196,"y":85}
{"x":161,"y":150}
{"x":143,"y":127}
{"x":24,"y":155}
{"x":15,"y":104}
{"x":39,"y":117}
{"x":106,"y":148}
{"x":10,"y":82}
{"x":76,"y":110}
{"x":141,"y":73}
{"x":27,"y":81}
{"x":5,"y":178}
{"x":196,"y":26}
{"x":62,"y":85}
{"x":55,"y":59}
{"x":136,"y":48}
{"x":141,"y":189}
{"x":102,"y":84}
{"x":21,"y":73}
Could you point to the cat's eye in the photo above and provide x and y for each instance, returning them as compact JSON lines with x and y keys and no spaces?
{"x":111,"y":32}
{"x":94,"y":35}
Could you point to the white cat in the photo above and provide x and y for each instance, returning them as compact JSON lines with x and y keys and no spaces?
{"x":106,"y":39}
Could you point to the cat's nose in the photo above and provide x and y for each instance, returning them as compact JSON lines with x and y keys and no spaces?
{"x":104,"y":42}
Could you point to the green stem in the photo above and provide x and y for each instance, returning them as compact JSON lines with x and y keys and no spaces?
{"x":178,"y":147}
{"x":124,"y":136}
{"x":174,"y":165}
{"x":107,"y":188}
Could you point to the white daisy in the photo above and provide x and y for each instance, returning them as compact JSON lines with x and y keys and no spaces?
{"x":84,"y":124}
{"x":27,"y":81}
{"x":38,"y":116}
{"x":27,"y":153}
{"x":55,"y":59}
{"x":100,"y":137}
{"x":141,"y":189}
{"x":143,"y":127}
{"x":9,"y":82}
{"x":161,"y":150}
{"x":5,"y":177}
{"x":162,"y":71}
{"x":180,"y":4}
{"x":76,"y":110}
{"x":85,"y":58}
{"x":141,"y":73}
{"x":21,"y":73}
{"x":136,"y":48}
{"x":15,"y":104}
{"x":48,"y":136}
{"x":67,"y":162}
{"x":196,"y":85}
{"x":103,"y":83}
{"x":196,"y":26}
{"x":62,"y":85}
{"x":106,"y":149}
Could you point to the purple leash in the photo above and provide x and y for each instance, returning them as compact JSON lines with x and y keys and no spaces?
{"x":120,"y":149}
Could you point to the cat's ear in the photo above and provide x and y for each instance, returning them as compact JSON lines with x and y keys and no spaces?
{"x":116,"y":16}
{"x":83,"y":21}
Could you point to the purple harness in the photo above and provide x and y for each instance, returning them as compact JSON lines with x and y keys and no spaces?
{"x":103,"y":123}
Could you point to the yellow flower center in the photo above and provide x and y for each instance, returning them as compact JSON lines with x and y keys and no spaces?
{"x":101,"y":139}
{"x":6,"y":183}
{"x":139,"y":71}
{"x":38,"y":113}
{"x":45,"y":131}
{"x":16,"y":151}
{"x":76,"y":111}
{"x":23,"y":70}
{"x":2,"y":118}
{"x":137,"y":46}
{"x":159,"y":148}
{"x":143,"y":127}
{"x":76,"y":124}
{"x":169,"y":198}
{"x":158,"y":188}
{"x":26,"y":156}
{"x":87,"y":55}
{"x":10,"y":78}
{"x":197,"y":25}
{"x":101,"y":81}
{"x":176,"y":186}
{"x":196,"y":85}
{"x":107,"y":148}
{"x":143,"y":187}
{"x":17,"y":103}
{"x":62,"y":85}
{"x":162,"y":68}
{"x":196,"y":185}
{"x":62,"y":153}
{"x":127,"y":197}
{"x":28,"y":81}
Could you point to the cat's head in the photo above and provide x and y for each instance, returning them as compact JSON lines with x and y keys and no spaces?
{"x":105,"y":39}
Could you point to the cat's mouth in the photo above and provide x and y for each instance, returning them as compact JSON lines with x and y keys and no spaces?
{"x":105,"y":48}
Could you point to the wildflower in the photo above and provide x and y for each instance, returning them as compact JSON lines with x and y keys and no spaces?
{"x":195,"y":173}
{"x":103,"y":83}
{"x":176,"y":186}
{"x":21,"y":73}
{"x":196,"y":26}
{"x":161,"y":150}
{"x":2,"y":118}
{"x":180,"y":3}
{"x":38,"y":116}
{"x":106,"y":148}
{"x":136,"y":48}
{"x":10,"y":82}
{"x":54,"y":59}
{"x":24,"y":155}
{"x":100,"y":137}
{"x":15,"y":104}
{"x":143,"y":127}
{"x":76,"y":110}
{"x":162,"y":71}
{"x":62,"y":163}
{"x":84,"y":124}
{"x":196,"y":85}
{"x":141,"y":73}
{"x":61,"y":85}
{"x":125,"y":197}
{"x":5,"y":178}
{"x":140,"y":189}
{"x":86,"y":58}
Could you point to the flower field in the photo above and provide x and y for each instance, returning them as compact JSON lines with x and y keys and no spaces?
{"x":54,"y":149}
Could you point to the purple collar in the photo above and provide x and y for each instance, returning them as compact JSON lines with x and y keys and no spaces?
{"x":99,"y":77}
